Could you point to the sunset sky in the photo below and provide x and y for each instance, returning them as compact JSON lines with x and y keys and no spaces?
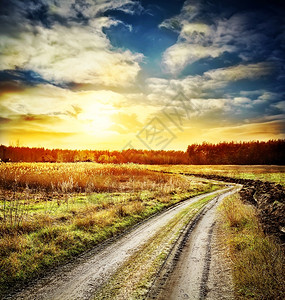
{"x":102,"y":74}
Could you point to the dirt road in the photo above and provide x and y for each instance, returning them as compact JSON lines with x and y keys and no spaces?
{"x":89,"y":273}
{"x":197,"y":270}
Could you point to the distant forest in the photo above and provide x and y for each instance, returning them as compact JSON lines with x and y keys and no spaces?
{"x":243,"y":153}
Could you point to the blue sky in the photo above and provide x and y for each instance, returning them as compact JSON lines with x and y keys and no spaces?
{"x":98,"y":73}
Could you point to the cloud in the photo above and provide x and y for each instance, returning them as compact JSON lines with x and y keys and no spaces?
{"x":61,"y":73}
{"x":250,"y":71}
{"x":189,"y":11}
{"x":125,"y":123}
{"x":37,"y":118}
{"x":194,"y":32}
{"x":46,"y":108}
{"x":241,"y":100}
{"x":67,"y":12}
{"x":239,"y":132}
{"x":4,"y":120}
{"x":280,"y":105}
{"x":42,"y":99}
{"x":79,"y":53}
{"x":75,"y":112}
{"x":84,"y":55}
{"x":195,"y":40}
{"x":207,"y":32}
{"x":91,"y":9}
{"x":10,"y":87}
{"x":210,"y":84}
{"x":208,"y":101}
{"x":253,"y":131}
{"x":178,"y":56}
{"x":34,"y":137}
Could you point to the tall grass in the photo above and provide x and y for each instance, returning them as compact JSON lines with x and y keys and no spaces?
{"x":257,"y":260}
{"x":77,"y":177}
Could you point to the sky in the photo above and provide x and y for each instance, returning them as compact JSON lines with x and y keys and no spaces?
{"x":103,"y":74}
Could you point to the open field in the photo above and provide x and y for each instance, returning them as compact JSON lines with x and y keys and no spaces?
{"x":51,"y":212}
{"x":272,"y":173}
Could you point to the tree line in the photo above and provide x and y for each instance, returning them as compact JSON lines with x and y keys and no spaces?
{"x":26,"y":154}
{"x":256,"y":152}
{"x":233,"y":153}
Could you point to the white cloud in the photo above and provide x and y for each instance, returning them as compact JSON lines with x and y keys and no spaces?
{"x":268,"y":96}
{"x":195,"y":40}
{"x":210,"y":38}
{"x":194,"y":32}
{"x":250,"y":71}
{"x":206,"y":85}
{"x":43,"y":99}
{"x":206,"y":92}
{"x":178,"y":56}
{"x":189,"y":11}
{"x":280,"y":105}
{"x":92,"y":8}
{"x":241,"y":100}
{"x":74,"y":53}
{"x":251,"y":93}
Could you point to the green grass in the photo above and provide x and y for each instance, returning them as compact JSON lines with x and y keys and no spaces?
{"x":258,"y":263}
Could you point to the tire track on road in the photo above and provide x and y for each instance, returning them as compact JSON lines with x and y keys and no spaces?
{"x":185,"y":274}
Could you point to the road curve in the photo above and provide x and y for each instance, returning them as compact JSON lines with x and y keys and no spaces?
{"x":189,"y":269}
{"x":80,"y":279}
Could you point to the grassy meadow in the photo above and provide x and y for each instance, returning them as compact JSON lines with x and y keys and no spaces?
{"x":269,"y":173}
{"x":50,"y":212}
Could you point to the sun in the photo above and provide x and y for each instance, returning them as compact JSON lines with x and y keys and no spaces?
{"x":99,"y":125}
{"x":96,"y":119}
